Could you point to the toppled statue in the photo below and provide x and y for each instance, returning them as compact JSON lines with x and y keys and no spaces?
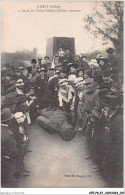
{"x":56,"y":121}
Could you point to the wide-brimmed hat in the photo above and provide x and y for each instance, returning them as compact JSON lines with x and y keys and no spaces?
{"x":19,"y":83}
{"x":21,"y":98}
{"x":6,"y":115}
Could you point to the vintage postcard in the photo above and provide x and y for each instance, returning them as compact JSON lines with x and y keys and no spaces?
{"x":62,"y":97}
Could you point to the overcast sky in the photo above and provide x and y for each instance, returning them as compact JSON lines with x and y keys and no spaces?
{"x":27,"y":30}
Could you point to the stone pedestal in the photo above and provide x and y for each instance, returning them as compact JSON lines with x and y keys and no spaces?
{"x":54,"y":43}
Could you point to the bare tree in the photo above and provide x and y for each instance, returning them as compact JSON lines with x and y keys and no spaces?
{"x":106,"y":20}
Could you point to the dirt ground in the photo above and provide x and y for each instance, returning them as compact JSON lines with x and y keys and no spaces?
{"x":55,"y":163}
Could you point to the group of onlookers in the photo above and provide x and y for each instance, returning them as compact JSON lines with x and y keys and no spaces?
{"x":73,"y":85}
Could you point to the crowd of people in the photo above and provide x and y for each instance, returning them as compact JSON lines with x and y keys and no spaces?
{"x":72,"y":84}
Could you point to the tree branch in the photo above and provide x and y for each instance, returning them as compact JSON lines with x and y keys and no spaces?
{"x":112,"y":29}
{"x":110,"y":11}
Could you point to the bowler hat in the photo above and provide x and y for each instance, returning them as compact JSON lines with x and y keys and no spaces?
{"x":33,"y":61}
{"x":21,"y":98}
{"x":6,"y":115}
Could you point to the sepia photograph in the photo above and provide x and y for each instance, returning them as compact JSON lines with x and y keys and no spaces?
{"x":62,"y":94}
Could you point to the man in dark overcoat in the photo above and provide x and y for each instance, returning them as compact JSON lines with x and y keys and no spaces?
{"x":51,"y":93}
